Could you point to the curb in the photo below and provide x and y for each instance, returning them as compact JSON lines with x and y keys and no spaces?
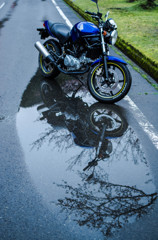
{"x":147,"y":64}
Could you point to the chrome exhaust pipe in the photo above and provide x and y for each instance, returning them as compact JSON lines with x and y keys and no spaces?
{"x":48,"y":57}
{"x":42,"y":49}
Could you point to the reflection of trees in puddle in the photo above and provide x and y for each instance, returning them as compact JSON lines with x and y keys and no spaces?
{"x":61,"y":140}
{"x":104,"y":206}
{"x":103,"y":200}
{"x":128,"y":146}
{"x":96,"y":202}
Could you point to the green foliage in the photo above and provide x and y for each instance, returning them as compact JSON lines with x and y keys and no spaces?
{"x":137,"y":29}
{"x":146,"y":4}
{"x":149,"y":4}
{"x":135,"y":25}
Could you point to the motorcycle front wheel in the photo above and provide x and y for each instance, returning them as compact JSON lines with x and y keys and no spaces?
{"x":113,"y":89}
{"x":109,"y":115}
{"x":48,"y":70}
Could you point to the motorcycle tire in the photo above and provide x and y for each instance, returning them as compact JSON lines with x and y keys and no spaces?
{"x":50,"y":92}
{"x":109,"y":115}
{"x":48,"y":70}
{"x":117,"y":86}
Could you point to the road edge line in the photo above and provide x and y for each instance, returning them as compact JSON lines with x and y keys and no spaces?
{"x":2,"y":5}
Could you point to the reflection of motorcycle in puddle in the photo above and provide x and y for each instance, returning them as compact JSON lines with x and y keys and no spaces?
{"x":117,"y":191}
{"x":91,"y":126}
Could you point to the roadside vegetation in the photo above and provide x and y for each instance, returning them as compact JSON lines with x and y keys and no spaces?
{"x":137,"y":22}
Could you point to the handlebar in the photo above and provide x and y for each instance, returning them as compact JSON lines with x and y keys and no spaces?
{"x":93,"y":163}
{"x":94,"y":15}
{"x":91,"y":13}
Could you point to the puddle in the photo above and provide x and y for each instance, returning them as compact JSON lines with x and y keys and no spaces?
{"x":83,"y":157}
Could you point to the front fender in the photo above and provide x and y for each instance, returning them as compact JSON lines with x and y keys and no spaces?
{"x":109,"y":58}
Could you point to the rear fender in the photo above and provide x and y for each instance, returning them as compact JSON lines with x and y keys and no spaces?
{"x":109,"y":58}
{"x":46,"y":23}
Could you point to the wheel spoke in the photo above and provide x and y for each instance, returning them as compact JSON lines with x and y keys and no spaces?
{"x":118,"y":121}
{"x":103,"y":83}
{"x":113,"y":67}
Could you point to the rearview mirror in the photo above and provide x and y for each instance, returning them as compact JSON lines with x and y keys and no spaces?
{"x":96,"y":1}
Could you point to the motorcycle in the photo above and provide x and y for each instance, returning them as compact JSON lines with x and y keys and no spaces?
{"x":85,"y":49}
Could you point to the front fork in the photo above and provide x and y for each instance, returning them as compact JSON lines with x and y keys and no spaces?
{"x":105,"y":52}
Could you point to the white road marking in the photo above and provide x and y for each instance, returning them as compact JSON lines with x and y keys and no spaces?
{"x":62,"y":14}
{"x":2,"y":5}
{"x":147,"y":127}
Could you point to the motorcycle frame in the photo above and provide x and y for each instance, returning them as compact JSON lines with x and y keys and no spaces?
{"x":45,"y":33}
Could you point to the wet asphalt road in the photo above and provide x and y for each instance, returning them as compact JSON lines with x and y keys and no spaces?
{"x":46,"y":191}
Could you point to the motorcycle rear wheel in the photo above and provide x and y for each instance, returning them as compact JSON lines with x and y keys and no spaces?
{"x":50,"y":92}
{"x":48,"y":70}
{"x":115,"y":88}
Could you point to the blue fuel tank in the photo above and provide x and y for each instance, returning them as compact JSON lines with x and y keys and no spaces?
{"x":83,"y":28}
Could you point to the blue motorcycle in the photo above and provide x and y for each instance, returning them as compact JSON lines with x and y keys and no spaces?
{"x":84,"y":49}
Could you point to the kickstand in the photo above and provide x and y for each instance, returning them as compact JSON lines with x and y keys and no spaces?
{"x":74,"y":93}
{"x":80,"y":79}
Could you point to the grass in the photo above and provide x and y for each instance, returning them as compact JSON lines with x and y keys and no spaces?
{"x":136,"y":26}
{"x":155,"y":85}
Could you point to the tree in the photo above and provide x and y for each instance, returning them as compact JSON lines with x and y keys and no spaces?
{"x":149,"y":4}
{"x":146,"y":4}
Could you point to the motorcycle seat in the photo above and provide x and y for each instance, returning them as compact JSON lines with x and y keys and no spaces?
{"x":60,"y":30}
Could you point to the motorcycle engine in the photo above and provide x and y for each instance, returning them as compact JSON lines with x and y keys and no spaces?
{"x":73,"y":63}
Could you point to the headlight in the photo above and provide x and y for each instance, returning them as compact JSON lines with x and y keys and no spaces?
{"x":112,"y":23}
{"x":113,"y":37}
{"x":109,"y":25}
